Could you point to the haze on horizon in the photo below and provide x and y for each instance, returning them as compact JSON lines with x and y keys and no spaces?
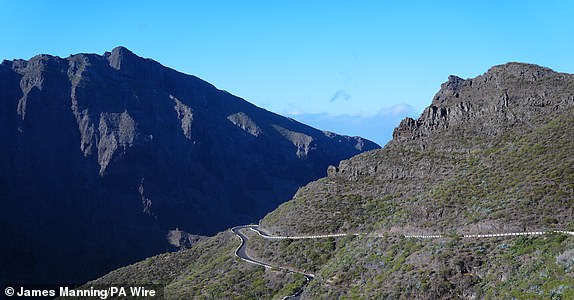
{"x":350,"y":67}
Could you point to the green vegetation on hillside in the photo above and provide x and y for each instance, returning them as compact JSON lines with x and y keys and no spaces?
{"x":209,"y":270}
{"x":521,"y":180}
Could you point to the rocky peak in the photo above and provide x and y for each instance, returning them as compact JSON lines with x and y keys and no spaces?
{"x":454,"y":83}
{"x":120,"y":56}
{"x":79,"y":134}
{"x":506,"y":94}
{"x":405,"y":130}
{"x":524,"y":71}
{"x":509,"y":96}
{"x":132,"y":66}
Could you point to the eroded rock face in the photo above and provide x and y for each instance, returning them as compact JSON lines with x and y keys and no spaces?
{"x":243,"y":121}
{"x":485,"y":107}
{"x":504,"y":96}
{"x":102,"y":155}
{"x":117,"y":131}
{"x":298,"y":139}
{"x":185,"y":116}
{"x":489,"y":154}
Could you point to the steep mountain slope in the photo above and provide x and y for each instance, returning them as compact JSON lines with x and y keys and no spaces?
{"x":490,"y":154}
{"x":208,"y":269}
{"x":102,"y":155}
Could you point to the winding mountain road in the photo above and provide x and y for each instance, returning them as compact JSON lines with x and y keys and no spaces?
{"x":241,"y":253}
{"x":274,"y":237}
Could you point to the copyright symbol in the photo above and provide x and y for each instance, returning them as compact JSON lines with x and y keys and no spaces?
{"x":9,"y":291}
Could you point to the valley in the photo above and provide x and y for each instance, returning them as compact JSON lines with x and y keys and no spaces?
{"x":474,"y":199}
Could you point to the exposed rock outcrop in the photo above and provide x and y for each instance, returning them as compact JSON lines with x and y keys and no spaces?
{"x":507,"y":96}
{"x":504,"y":96}
{"x":491,"y":153}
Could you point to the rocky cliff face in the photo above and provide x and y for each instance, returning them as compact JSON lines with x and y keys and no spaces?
{"x":490,"y":153}
{"x":507,"y":95}
{"x":465,"y":114}
{"x":102,"y":155}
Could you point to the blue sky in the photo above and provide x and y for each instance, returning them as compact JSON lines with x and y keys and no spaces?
{"x":354,"y":67}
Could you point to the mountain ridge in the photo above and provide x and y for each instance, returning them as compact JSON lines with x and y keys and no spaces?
{"x":121,"y":149}
{"x":453,"y":132}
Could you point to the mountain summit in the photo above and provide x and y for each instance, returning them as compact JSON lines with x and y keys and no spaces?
{"x":466,"y":157}
{"x":103,"y":155}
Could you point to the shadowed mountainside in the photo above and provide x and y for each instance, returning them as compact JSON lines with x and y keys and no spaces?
{"x":102,"y":155}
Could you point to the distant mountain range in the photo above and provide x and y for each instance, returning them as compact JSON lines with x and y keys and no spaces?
{"x":103,"y":156}
{"x":491,"y":154}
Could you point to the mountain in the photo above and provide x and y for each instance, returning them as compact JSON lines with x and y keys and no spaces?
{"x":103,"y":156}
{"x":491,"y":154}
